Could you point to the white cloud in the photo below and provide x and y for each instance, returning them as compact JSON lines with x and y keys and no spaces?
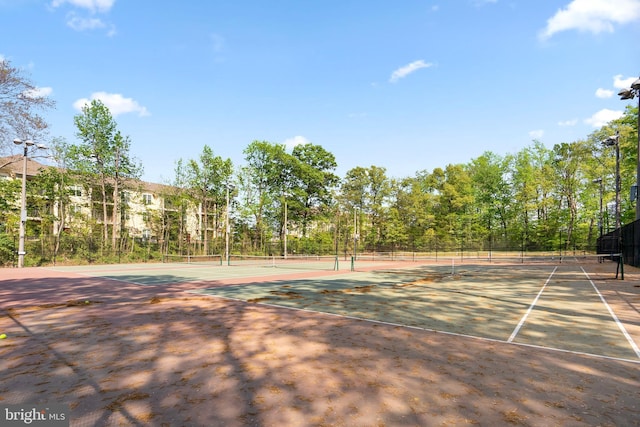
{"x":536,"y":134}
{"x":623,"y":83}
{"x":81,"y":24}
{"x":91,"y":5}
{"x":296,"y":140}
{"x":404,"y":71}
{"x":87,"y":20}
{"x":38,"y":92}
{"x":593,"y":16}
{"x":116,"y":103}
{"x":603,"y":117}
{"x":572,"y":122}
{"x":604,"y":93}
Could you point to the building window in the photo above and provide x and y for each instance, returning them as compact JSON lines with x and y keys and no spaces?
{"x":146,"y":198}
{"x":76,"y":190}
{"x":146,"y":233}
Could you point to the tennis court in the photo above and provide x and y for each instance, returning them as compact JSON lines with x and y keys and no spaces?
{"x":309,"y":342}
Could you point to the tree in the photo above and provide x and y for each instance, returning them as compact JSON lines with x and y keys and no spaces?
{"x":313,"y":181}
{"x":268,"y":179}
{"x":455,"y":205}
{"x":367,"y":190}
{"x":568,"y":164}
{"x":208,"y":177}
{"x":20,"y":102}
{"x":54,"y":183}
{"x":103,"y":153}
{"x":492,"y":192}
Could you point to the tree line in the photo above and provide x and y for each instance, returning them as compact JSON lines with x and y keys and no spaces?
{"x":537,"y":199}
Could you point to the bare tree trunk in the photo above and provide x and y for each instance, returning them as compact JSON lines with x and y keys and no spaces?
{"x":105,"y":225}
{"x":116,"y":205}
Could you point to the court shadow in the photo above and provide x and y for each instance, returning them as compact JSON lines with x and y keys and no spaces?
{"x":154,"y":355}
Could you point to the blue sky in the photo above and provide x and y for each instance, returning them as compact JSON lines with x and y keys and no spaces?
{"x":407,"y":85}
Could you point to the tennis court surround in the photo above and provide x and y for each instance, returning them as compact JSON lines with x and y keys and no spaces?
{"x":547,"y":301}
{"x":517,"y":342}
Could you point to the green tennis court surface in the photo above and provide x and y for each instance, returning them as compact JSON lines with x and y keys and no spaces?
{"x":550,"y":306}
{"x":484,"y":302}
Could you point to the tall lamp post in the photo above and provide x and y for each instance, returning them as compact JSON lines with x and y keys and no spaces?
{"x":613,"y":141}
{"x":625,"y":94}
{"x":600,"y":218}
{"x":23,"y":196}
{"x":355,"y":232}
{"x":227,"y":225}
{"x":285,"y":230}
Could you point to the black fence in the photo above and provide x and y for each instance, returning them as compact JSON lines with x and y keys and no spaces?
{"x":625,"y":240}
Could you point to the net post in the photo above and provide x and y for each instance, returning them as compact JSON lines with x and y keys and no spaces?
{"x":335,"y":264}
{"x":352,"y":264}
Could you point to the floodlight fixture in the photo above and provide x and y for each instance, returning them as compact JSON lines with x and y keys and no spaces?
{"x":611,"y":141}
{"x":625,"y":94}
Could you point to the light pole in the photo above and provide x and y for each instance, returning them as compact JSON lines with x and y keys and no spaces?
{"x":285,"y":225}
{"x":355,"y":232}
{"x":613,"y":141}
{"x":600,"y":219}
{"x":285,"y":228}
{"x":227,"y":225}
{"x":23,"y":196}
{"x":625,"y":94}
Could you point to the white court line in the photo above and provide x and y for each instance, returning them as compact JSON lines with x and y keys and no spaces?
{"x":533,"y":304}
{"x":615,"y":318}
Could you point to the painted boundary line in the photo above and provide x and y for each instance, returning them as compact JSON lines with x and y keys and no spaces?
{"x":533,"y":304}
{"x":634,"y":346}
{"x":127,"y":282}
{"x":417,"y":328}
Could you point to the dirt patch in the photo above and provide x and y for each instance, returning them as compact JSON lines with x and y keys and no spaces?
{"x":362,"y":289}
{"x":259,"y":300}
{"x":70,"y":303}
{"x":287,"y":294}
{"x":331,"y":291}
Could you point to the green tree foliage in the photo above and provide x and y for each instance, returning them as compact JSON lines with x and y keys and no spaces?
{"x":103,"y":155}
{"x":537,"y":199}
{"x":312,"y":182}
{"x":300,"y":181}
{"x":207,"y":179}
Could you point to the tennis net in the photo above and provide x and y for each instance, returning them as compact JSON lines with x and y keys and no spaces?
{"x":193,"y":259}
{"x":302,"y":262}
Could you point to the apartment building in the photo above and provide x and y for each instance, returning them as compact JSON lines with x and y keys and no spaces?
{"x":142,"y":209}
